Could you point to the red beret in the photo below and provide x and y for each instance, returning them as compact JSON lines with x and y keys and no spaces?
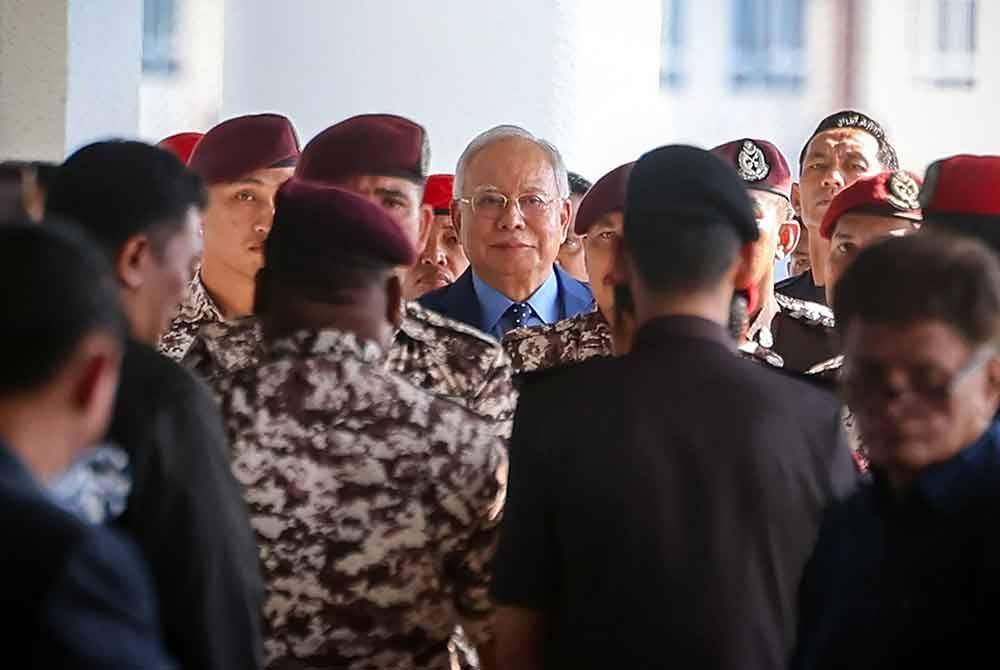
{"x":759,"y":163}
{"x":375,"y":144}
{"x":438,"y":192}
{"x":181,"y":145}
{"x":607,"y":195}
{"x":318,"y":227}
{"x":239,"y":146}
{"x":963,"y":185}
{"x":886,"y":194}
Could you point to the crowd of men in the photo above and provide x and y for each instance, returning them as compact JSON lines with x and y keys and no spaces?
{"x":268,"y":405}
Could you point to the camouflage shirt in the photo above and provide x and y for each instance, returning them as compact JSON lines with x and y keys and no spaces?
{"x":571,"y":340}
{"x":197,"y":310}
{"x":443,"y":356}
{"x":375,"y":505}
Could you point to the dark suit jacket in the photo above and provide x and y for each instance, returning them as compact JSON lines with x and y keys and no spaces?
{"x":458,"y":301}
{"x":187,"y":514}
{"x":662,"y":505}
{"x":75,"y":596}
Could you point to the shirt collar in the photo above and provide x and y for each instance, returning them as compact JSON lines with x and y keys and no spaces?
{"x":654,"y":333}
{"x":544,"y":302}
{"x":198,"y":305}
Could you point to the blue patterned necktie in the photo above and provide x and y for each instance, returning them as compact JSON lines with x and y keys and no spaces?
{"x":517,"y":315}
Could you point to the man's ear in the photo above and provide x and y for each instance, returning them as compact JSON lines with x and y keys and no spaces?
{"x":394,"y":300}
{"x":426,"y":221}
{"x":796,"y":200}
{"x":133,"y":261}
{"x":743,"y":265}
{"x":789,"y":234}
{"x":456,"y":220}
{"x":565,"y":219}
{"x":94,"y":373}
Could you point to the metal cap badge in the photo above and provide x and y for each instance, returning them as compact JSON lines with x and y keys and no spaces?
{"x":751,"y":163}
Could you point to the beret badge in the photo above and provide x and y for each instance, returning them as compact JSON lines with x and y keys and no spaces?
{"x":903,"y":191}
{"x":751,"y":163}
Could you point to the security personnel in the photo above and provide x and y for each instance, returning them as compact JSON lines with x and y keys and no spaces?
{"x":960,"y":196}
{"x":664,"y":498}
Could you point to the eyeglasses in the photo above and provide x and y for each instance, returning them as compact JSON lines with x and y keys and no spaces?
{"x":866,"y":383}
{"x":491,"y":205}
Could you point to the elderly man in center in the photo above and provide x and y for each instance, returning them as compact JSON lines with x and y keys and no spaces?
{"x":512,"y":212}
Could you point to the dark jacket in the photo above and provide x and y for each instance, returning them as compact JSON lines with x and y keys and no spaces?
{"x":458,"y":301}
{"x":662,"y":505}
{"x":187,"y":514}
{"x":76,"y":596}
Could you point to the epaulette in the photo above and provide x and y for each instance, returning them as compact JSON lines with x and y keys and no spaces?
{"x":812,"y":313}
{"x":828,"y":366}
{"x":753,"y":351}
{"x":416,"y":317}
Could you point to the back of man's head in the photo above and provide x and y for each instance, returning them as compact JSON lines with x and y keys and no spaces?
{"x":118,"y":189}
{"x":61,"y":335}
{"x":687,"y":214}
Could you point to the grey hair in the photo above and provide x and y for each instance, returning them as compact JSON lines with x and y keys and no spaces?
{"x":504,"y":132}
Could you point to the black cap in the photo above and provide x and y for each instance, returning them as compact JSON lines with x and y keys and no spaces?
{"x":691,"y":185}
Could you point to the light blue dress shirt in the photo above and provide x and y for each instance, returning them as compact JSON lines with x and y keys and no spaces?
{"x":544,"y":303}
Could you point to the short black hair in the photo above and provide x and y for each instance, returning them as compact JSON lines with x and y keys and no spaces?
{"x":578,"y":185}
{"x":681,"y":252}
{"x":118,"y":189}
{"x":848,"y":118}
{"x":924,"y":277}
{"x":56,"y":288}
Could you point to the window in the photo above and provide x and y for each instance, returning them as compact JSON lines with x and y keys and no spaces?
{"x":767,"y":43}
{"x":672,"y":44}
{"x":159,"y":23}
{"x":953,"y":59}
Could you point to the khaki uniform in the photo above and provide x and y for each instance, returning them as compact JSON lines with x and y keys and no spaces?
{"x":196,"y":311}
{"x":375,"y":505}
{"x":564,"y":342}
{"x":449,"y":359}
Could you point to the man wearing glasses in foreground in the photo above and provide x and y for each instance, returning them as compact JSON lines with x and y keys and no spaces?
{"x":905,"y":571}
{"x":512,"y":212}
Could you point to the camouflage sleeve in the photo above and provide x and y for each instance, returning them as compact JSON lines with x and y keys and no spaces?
{"x":497,"y":398}
{"x":471,"y":492}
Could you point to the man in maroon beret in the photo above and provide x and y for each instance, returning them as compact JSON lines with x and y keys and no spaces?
{"x":243,"y":160}
{"x":961,"y":194}
{"x":364,"y":489}
{"x":764,"y":170}
{"x":598,"y":223}
{"x":181,"y":145}
{"x":443,"y":259}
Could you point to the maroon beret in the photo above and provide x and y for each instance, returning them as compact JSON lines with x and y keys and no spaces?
{"x":239,"y":146}
{"x":375,"y":144}
{"x":181,"y":145}
{"x":439,"y":191}
{"x":318,"y":227}
{"x":892,"y":193}
{"x":607,"y":195}
{"x":963,"y":185}
{"x":759,"y":163}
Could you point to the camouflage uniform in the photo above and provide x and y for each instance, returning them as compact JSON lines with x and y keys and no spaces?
{"x":375,"y":505}
{"x":435,"y":353}
{"x":571,"y":340}
{"x":831,"y":369}
{"x":195,"y":311}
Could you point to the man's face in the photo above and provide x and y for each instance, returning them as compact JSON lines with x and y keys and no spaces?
{"x":171,"y":271}
{"x":239,"y":218}
{"x":603,"y":246}
{"x":798,"y":261}
{"x":441,"y":262}
{"x":507,"y":246}
{"x":910,"y":408}
{"x":834,"y":160}
{"x":772,"y":214}
{"x":571,"y":252}
{"x":853,"y":233}
{"x":399,"y":197}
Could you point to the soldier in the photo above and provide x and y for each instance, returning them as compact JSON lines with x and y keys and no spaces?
{"x":384,"y":158}
{"x":960,"y":196}
{"x":243,"y":160}
{"x":443,"y":259}
{"x":375,"y":503}
{"x":571,"y":257}
{"x":798,"y":260}
{"x":181,"y":145}
{"x":598,"y":223}
{"x":764,"y":170}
